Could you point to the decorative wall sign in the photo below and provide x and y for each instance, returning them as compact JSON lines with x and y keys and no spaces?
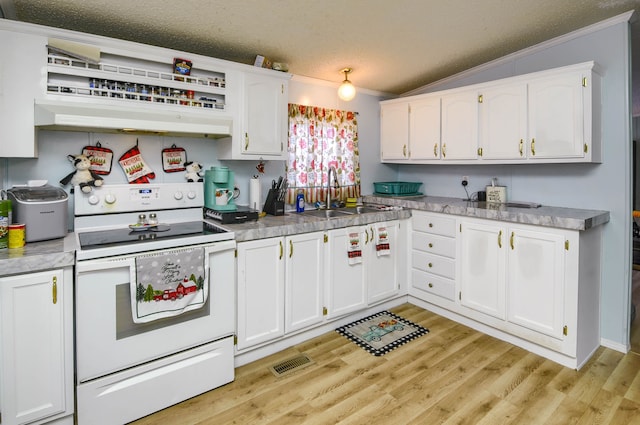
{"x":101,"y":158}
{"x":173,"y":159}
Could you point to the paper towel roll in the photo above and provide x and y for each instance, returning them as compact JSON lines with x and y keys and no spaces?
{"x":254,"y":194}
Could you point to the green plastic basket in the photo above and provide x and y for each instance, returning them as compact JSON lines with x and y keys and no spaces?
{"x":396,"y":188}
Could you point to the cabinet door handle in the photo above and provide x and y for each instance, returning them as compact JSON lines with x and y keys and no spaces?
{"x":54,"y":290}
{"x":246,"y":141}
{"x":281,"y":250}
{"x":290,"y":248}
{"x":430,"y":224}
{"x":430,"y":265}
{"x":435,"y":149}
{"x":366,"y":234}
{"x":371,"y":229}
{"x":430,"y":285}
{"x":430,"y":245}
{"x":521,"y":147}
{"x":533,"y":147}
{"x":404,"y":150}
{"x":500,"y":239}
{"x":511,"y":240}
{"x":444,"y":150}
{"x":479,"y":151}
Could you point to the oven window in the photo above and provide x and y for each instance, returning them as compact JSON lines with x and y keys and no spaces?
{"x":125,"y":327}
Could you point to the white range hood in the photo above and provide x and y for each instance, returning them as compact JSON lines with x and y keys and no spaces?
{"x":71,"y":116}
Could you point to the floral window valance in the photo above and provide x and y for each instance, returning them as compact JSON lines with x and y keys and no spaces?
{"x":319,"y":139}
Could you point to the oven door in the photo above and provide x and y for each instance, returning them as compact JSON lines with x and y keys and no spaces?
{"x":107,"y":339}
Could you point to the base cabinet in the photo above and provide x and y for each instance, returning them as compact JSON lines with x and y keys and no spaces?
{"x":519,"y":274}
{"x":36,"y":347}
{"x":279,"y":287}
{"x":354,"y":282}
{"x":531,"y":285}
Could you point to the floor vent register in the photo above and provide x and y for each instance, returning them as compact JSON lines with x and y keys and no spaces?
{"x":291,"y":365}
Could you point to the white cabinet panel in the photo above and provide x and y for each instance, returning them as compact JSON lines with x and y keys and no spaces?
{"x":556,"y":117}
{"x":260,"y":291}
{"x":503,"y":122}
{"x":346,"y":285}
{"x":382,"y":270}
{"x":304,"y":281}
{"x":36,"y":347}
{"x":394,"y":131}
{"x":536,"y":280}
{"x":460,"y":125}
{"x":482,"y":268}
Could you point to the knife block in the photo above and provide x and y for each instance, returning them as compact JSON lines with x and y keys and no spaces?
{"x":272,"y":206}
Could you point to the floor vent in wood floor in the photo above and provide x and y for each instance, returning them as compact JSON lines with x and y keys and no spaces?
{"x":291,"y":365}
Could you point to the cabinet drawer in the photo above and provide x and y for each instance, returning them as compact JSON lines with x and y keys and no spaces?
{"x":435,"y":264}
{"x":435,"y":224}
{"x":434,"y":244}
{"x":433,"y":284}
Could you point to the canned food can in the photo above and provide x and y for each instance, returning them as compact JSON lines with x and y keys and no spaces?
{"x":17,"y":235}
{"x":5,"y":219}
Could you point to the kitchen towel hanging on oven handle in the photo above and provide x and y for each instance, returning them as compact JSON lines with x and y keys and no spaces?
{"x":168,"y":283}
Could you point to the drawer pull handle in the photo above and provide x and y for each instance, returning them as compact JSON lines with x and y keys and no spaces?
{"x":430,"y":224}
{"x":430,"y":285}
{"x":430,"y":265}
{"x":430,"y":245}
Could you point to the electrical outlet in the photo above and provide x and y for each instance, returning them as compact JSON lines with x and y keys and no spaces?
{"x":465,"y":180}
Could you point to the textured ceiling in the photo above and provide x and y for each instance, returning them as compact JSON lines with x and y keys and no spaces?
{"x":392,"y":45}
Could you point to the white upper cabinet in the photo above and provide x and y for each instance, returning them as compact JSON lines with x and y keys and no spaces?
{"x":410,"y":130}
{"x":262,"y":132}
{"x":459,"y":125}
{"x":20,"y":83}
{"x":557,"y":117}
{"x":424,"y":128}
{"x":503,"y":122}
{"x":549,"y":116}
{"x":394,"y":131}
{"x":110,"y":85}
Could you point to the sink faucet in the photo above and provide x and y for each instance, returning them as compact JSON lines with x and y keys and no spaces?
{"x":335,"y":180}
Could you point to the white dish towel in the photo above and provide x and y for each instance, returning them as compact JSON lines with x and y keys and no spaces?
{"x":354,"y":246}
{"x":168,"y":283}
{"x":383,"y":246}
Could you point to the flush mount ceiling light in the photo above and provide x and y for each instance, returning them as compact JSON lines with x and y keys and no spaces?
{"x":346,"y":91}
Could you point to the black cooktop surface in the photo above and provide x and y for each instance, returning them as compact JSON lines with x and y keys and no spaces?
{"x":114,"y":237}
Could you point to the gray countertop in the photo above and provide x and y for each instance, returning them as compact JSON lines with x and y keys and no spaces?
{"x":57,"y":253}
{"x":292,"y":223}
{"x":559,"y":217}
{"x":38,"y":256}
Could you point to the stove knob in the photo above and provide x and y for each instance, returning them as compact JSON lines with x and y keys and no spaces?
{"x":191,"y":194}
{"x":93,"y":200}
{"x":110,"y":198}
{"x":177,"y":195}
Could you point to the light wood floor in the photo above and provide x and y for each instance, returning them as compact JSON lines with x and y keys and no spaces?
{"x":453,"y":375}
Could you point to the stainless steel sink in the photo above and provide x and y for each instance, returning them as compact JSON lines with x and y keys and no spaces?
{"x":340,"y":212}
{"x":328,"y":213}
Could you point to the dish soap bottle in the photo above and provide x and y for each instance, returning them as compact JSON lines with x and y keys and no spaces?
{"x":300,"y":201}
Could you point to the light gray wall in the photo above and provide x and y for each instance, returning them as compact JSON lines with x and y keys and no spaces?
{"x":605,"y":186}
